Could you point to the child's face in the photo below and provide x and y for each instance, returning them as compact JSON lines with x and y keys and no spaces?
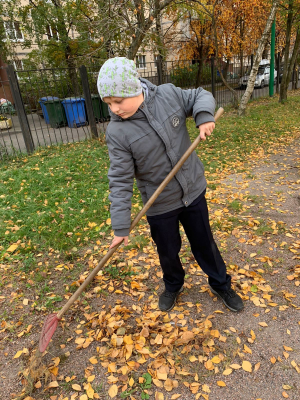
{"x":124,"y":107}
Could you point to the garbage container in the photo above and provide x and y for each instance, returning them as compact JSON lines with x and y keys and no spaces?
{"x":56,"y":113}
{"x":42,"y":104}
{"x":96,"y":106}
{"x":75,"y":111}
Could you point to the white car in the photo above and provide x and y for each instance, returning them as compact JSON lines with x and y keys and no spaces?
{"x":262,"y":78}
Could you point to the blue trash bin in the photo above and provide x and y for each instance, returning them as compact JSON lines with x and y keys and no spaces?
{"x":44,"y":109}
{"x":75,"y":111}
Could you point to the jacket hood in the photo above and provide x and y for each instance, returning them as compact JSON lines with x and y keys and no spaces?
{"x":151,"y":93}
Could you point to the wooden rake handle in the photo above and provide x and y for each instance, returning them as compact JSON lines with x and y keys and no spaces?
{"x":149,"y":203}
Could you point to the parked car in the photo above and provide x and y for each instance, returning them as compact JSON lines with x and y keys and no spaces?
{"x":262,"y":78}
{"x":281,"y":74}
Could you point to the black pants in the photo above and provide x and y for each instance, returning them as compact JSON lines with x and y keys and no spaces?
{"x":165,"y":233}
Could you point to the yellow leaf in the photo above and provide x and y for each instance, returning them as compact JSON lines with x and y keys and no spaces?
{"x":193,"y":359}
{"x":89,"y":391}
{"x":252,"y":255}
{"x":227,"y":371}
{"x":273,"y":360}
{"x":91,"y":378}
{"x":93,"y":360}
{"x":221,"y":383}
{"x":216,"y":360}
{"x":157,"y":383}
{"x":262,"y":324}
{"x":287,"y":348}
{"x":131,"y":382}
{"x":53,"y":384}
{"x":18,"y":354}
{"x":168,"y":385}
{"x":113,"y":391}
{"x":39,"y":384}
{"x":159,"y":396}
{"x":247,"y":366}
{"x":83,"y":397}
{"x":205,"y":388}
{"x":108,"y":221}
{"x":76,"y":387}
{"x":175,"y":396}
{"x":247,"y":350}
{"x":79,"y":340}
{"x":12,"y":248}
{"x":286,"y":387}
{"x":257,"y":366}
{"x":25,"y":302}
{"x":285,"y":395}
{"x":235,"y":366}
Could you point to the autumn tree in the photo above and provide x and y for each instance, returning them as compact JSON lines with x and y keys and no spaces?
{"x":258,"y":56}
{"x":291,"y":9}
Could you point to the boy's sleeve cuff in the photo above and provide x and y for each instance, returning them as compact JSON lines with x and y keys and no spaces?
{"x":203,"y":117}
{"x":122,"y":232}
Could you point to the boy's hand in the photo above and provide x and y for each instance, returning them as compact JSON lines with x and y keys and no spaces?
{"x":117,"y":240}
{"x":206,"y":129}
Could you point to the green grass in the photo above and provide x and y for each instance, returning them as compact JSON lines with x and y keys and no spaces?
{"x":57,"y":198}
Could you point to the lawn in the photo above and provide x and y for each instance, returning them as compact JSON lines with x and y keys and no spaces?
{"x":55,"y":227}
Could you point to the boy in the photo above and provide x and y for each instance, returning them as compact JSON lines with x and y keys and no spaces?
{"x":146,"y":137}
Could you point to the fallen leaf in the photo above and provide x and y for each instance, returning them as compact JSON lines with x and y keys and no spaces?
{"x":77,"y":387}
{"x":53,"y":384}
{"x":113,"y":391}
{"x":18,"y":354}
{"x":227,"y":371}
{"x":262,"y":324}
{"x":221,"y":383}
{"x":246,"y":365}
{"x":93,"y":360}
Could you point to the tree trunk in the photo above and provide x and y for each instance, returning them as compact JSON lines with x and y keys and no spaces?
{"x":291,"y":64}
{"x":72,"y":73}
{"x":200,"y":67}
{"x":285,"y":76}
{"x":160,"y":43}
{"x":226,"y":68}
{"x":261,"y":46}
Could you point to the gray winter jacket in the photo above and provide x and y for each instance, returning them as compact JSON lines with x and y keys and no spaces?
{"x":149,"y":144}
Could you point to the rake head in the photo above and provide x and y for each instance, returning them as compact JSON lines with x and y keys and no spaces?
{"x":48,"y":330}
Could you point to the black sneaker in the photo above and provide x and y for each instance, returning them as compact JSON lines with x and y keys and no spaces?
{"x":167,"y":300}
{"x":230,"y":298}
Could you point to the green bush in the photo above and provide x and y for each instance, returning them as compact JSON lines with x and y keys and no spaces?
{"x":186,"y":76}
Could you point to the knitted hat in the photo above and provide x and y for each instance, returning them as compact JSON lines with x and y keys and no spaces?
{"x":118,"y":77}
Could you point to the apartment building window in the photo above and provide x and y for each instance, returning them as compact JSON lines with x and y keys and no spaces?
{"x":13,"y":30}
{"x":141,"y":61}
{"x":51,"y":32}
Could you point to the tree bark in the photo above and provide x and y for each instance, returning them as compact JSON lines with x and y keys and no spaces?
{"x":284,"y":88}
{"x":258,"y":55}
{"x":285,"y":76}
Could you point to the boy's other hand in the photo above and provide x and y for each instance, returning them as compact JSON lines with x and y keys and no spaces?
{"x":206,"y":129}
{"x":117,"y":240}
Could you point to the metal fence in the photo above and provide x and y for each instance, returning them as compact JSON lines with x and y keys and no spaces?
{"x":53,"y":106}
